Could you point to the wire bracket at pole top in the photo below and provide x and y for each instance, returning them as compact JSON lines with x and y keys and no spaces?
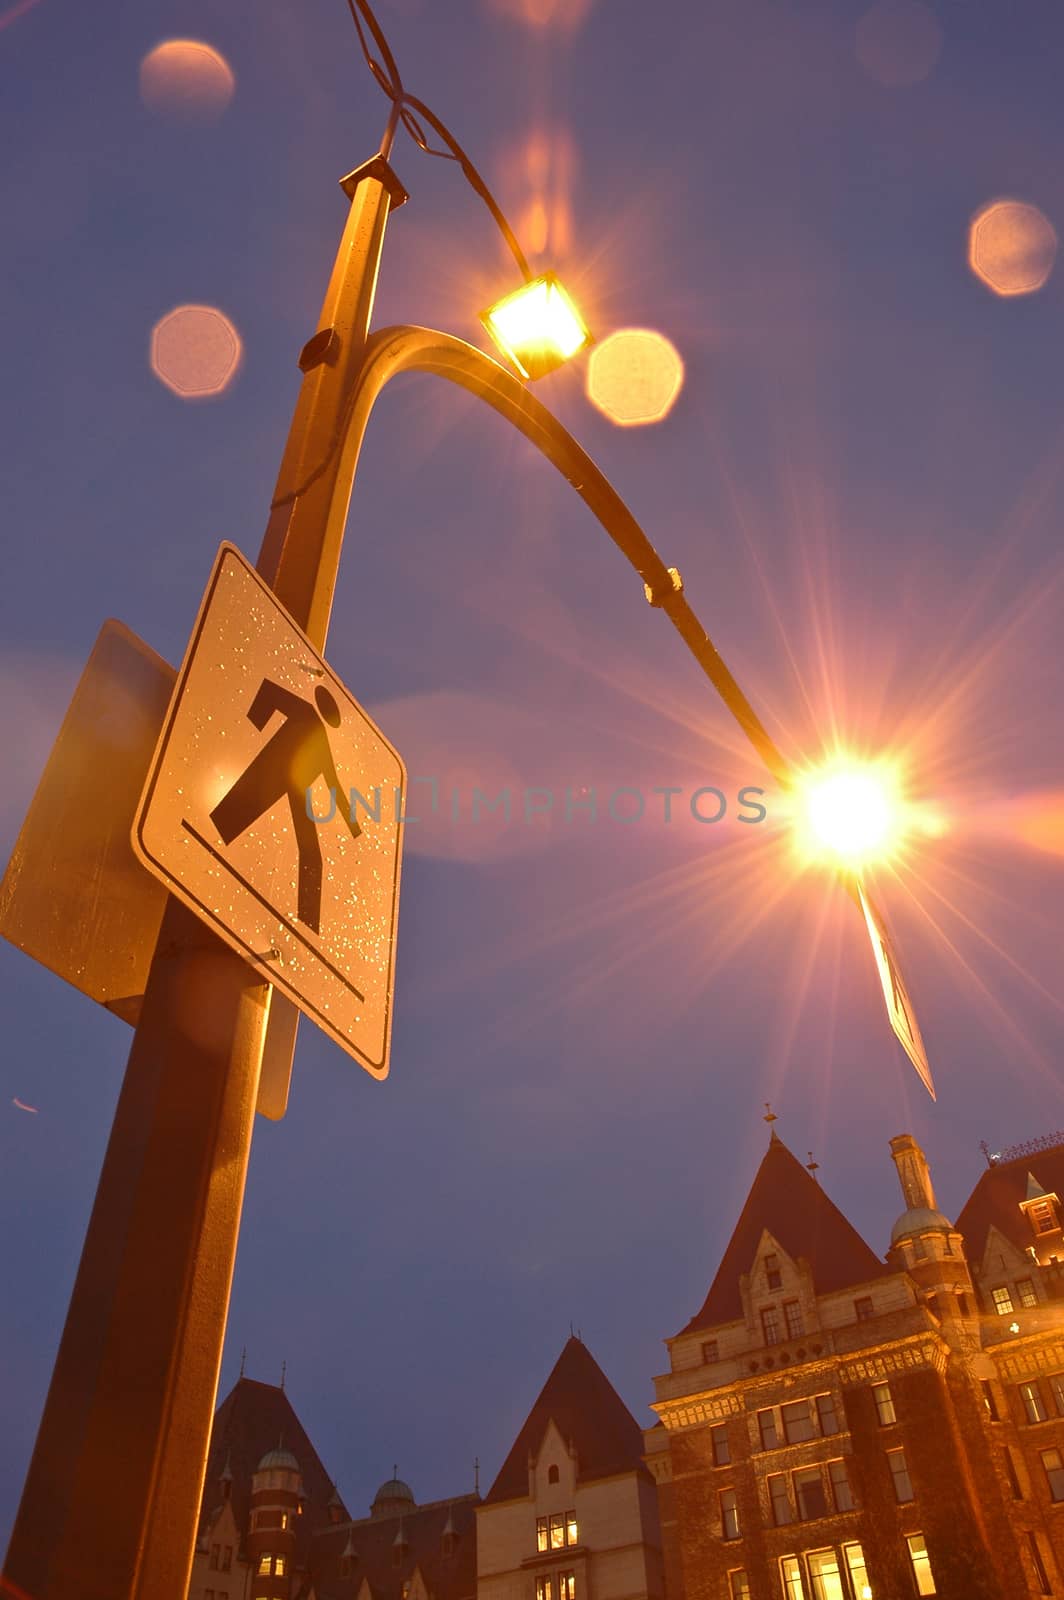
{"x":377,"y":167}
{"x":659,"y":597}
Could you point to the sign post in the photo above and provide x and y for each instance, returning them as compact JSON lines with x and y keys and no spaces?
{"x":110,"y":1506}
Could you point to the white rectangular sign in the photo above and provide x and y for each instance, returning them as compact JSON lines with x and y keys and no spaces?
{"x":273,"y":809}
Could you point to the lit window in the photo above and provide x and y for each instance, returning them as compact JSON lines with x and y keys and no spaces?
{"x":1026,"y":1291}
{"x":739,"y":1585}
{"x":555,"y":1532}
{"x":766,"y":1421}
{"x":544,"y":1589}
{"x":772,"y":1272}
{"x":792,"y":1313}
{"x":1042,"y":1218}
{"x":855,"y":1561}
{"x":809,"y":1494}
{"x":798,"y":1423}
{"x":721,"y":1453}
{"x":770,"y":1325}
{"x":988,"y":1399}
{"x":864,"y":1308}
{"x":552,"y":1474}
{"x":884,"y":1404}
{"x":824,"y":1574}
{"x":841,"y":1492}
{"x":1033,"y":1404}
{"x":791,"y":1573}
{"x":1056,"y":1385}
{"x":1002,"y":1299}
{"x":825,"y":1410}
{"x":729,"y":1513}
{"x":567,"y":1586}
{"x":1039,"y":1564}
{"x":1010,"y":1473}
{"x":710,"y":1351}
{"x":264,"y":1565}
{"x":1054,"y":1471}
{"x":899,"y":1467}
{"x":278,"y":1566}
{"x":925,"y":1583}
{"x":779,"y":1499}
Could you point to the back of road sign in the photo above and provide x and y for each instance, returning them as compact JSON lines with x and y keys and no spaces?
{"x":74,"y":896}
{"x":273,"y":808}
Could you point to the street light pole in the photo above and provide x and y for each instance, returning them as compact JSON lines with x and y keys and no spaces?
{"x":110,"y":1506}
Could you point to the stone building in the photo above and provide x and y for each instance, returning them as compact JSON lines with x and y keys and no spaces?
{"x":834,"y":1425}
{"x":837,"y":1426}
{"x":572,"y":1514}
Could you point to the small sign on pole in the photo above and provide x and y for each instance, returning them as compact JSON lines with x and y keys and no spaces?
{"x":273,"y":808}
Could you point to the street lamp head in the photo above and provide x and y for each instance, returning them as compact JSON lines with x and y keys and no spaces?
{"x":851,"y":811}
{"x":538,"y":327}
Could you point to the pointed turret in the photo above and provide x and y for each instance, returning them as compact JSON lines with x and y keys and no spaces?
{"x":788,"y":1204}
{"x":601,"y":1434}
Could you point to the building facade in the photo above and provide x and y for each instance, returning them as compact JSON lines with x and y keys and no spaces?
{"x":834,"y":1425}
{"x":839,"y":1426}
{"x":572,"y":1514}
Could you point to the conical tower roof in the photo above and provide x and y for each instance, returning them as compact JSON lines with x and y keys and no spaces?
{"x":787,"y":1201}
{"x":588,"y":1413}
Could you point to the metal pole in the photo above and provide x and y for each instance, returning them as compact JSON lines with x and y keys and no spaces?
{"x":111,"y":1502}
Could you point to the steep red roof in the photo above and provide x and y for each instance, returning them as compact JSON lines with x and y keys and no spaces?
{"x":785,"y":1199}
{"x":587,"y":1411}
{"x":252,"y":1419}
{"x":996,"y":1199}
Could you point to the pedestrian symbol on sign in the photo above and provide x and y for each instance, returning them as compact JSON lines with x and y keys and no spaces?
{"x":287,"y":768}
{"x":258,"y":729}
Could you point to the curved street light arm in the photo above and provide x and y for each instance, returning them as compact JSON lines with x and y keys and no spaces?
{"x":305,"y":577}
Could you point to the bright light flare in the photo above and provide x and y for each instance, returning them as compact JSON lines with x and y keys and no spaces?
{"x":851,"y":811}
{"x":537,"y":327}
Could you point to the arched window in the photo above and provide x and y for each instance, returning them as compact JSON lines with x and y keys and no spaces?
{"x":552,"y":1474}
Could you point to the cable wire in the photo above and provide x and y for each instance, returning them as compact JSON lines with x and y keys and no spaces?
{"x":412,"y":112}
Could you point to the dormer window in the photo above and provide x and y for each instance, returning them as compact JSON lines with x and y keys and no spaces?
{"x":772,"y":1272}
{"x":552,"y":1474}
{"x":1042,"y":1216}
{"x":770,"y":1324}
{"x":710,"y":1351}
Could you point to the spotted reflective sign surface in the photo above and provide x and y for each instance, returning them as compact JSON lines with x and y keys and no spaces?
{"x":274,"y":809}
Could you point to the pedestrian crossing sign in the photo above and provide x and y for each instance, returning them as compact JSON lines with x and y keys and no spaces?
{"x":273,"y":808}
